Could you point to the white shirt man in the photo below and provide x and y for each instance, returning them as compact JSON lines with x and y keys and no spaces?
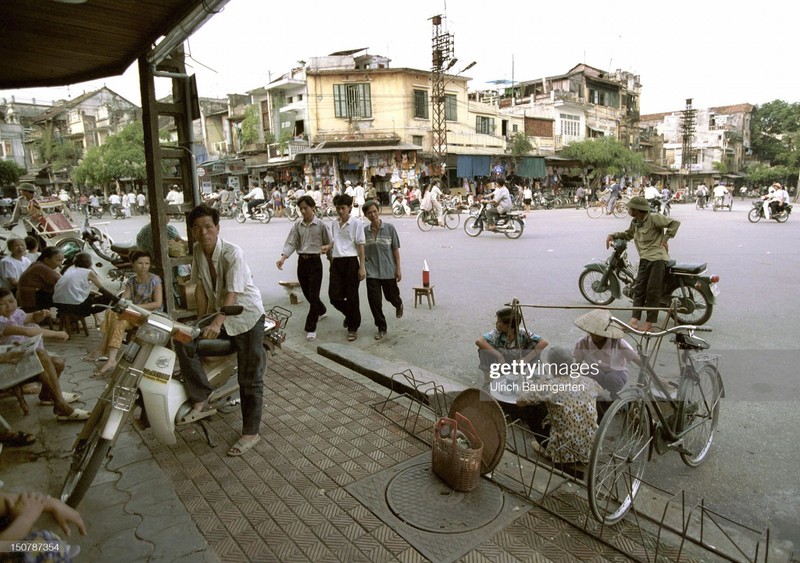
{"x":114,"y":199}
{"x":720,"y":191}
{"x":358,"y":199}
{"x":254,"y":197}
{"x":651,"y":192}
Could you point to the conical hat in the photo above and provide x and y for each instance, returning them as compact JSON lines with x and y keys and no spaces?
{"x":598,"y":321}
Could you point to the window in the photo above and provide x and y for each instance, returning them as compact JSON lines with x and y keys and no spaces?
{"x":450,"y":113}
{"x":421,"y":104}
{"x":570,"y":125}
{"x":416,"y":140}
{"x":352,"y":100}
{"x":484,"y":125}
{"x":515,"y":128}
{"x":601,"y":97}
{"x":8,"y":148}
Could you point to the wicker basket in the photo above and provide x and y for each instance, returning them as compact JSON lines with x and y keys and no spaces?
{"x":457,"y":466}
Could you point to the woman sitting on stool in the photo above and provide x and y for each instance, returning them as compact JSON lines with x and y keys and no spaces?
{"x":73,"y":292}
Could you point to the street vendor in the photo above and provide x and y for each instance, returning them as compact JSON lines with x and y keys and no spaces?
{"x":22,"y":209}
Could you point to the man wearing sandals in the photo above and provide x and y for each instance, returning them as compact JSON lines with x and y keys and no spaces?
{"x":347,"y":266}
{"x":223,"y":278}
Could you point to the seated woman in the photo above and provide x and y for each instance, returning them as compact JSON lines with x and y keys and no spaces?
{"x":73,"y":292}
{"x":571,"y":411}
{"x":40,"y":279}
{"x":11,"y":267}
{"x":144,"y":289}
{"x":16,"y":326}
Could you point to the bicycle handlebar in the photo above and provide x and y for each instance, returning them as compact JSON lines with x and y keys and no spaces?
{"x":679,"y":328}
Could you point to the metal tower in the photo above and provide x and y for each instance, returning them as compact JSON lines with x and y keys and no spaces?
{"x":442,"y":61}
{"x":688,"y":122}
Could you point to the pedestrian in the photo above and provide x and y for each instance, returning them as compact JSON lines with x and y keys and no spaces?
{"x":651,"y":233}
{"x":614,"y":192}
{"x":347,"y":266}
{"x":223,"y":278}
{"x":309,"y":238}
{"x":126,"y":206}
{"x":382,"y":261}
{"x":141,"y":203}
{"x":132,"y":201}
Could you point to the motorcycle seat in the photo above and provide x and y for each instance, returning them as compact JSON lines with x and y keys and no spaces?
{"x":123,"y":248}
{"x":686,"y":267}
{"x":212,"y":347}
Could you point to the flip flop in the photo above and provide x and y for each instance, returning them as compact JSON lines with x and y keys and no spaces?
{"x":68,"y":398}
{"x":195,"y":415}
{"x":77,"y":415}
{"x":91,"y":360}
{"x":351,"y":336}
{"x":242,"y":446}
{"x":11,"y":438}
{"x":101,"y":372}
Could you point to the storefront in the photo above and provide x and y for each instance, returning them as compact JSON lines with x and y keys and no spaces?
{"x":217,"y":174}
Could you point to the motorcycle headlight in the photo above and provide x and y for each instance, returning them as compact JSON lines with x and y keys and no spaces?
{"x":154,"y":332}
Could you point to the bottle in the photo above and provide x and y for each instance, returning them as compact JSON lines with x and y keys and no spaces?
{"x":426,"y":274}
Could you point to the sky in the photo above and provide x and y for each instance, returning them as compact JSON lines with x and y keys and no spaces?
{"x":708,"y":50}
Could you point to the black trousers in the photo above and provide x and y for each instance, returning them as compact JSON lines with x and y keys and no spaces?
{"x":309,"y":274}
{"x":390,"y":291}
{"x":648,"y":286}
{"x":343,"y":290}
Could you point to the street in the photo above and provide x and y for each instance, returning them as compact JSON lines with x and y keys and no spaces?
{"x":750,"y":474}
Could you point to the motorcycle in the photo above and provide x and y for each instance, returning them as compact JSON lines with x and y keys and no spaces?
{"x":757,"y":213}
{"x":658,"y":206}
{"x":510,"y":224}
{"x":117,"y":212}
{"x":144,"y":379}
{"x":602,"y":282}
{"x":427,"y":220}
{"x":262,"y":212}
{"x":291,"y":209}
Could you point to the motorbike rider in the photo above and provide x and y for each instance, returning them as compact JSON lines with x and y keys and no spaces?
{"x":653,"y":196}
{"x":779,"y":198}
{"x":651,"y":233}
{"x":701,"y":193}
{"x":253,"y":198}
{"x":174,"y":199}
{"x":500,"y":204}
{"x":223,"y":278}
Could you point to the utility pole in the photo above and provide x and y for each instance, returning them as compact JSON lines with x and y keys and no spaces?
{"x":442,"y":61}
{"x":688,"y":122}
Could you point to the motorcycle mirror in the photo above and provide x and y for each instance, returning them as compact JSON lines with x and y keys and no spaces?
{"x":231,"y":310}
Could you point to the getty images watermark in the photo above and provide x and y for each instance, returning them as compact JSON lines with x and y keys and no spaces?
{"x":519,"y":376}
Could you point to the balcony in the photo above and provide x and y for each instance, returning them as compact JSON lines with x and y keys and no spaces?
{"x":285,"y":152}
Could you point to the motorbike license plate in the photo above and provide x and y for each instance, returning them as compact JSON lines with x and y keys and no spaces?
{"x":714,"y":289}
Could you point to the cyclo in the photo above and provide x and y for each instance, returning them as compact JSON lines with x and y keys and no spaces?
{"x":654,"y":415}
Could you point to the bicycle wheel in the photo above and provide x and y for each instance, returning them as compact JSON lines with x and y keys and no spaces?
{"x":618,"y":457}
{"x":473,"y":226}
{"x":595,"y":210}
{"x":517,"y":226}
{"x":398,"y":211}
{"x":693,"y":308}
{"x":451,"y":219}
{"x":88,"y":456}
{"x":240,"y":217}
{"x":620,"y":210}
{"x":588,"y":282}
{"x":422,"y":222}
{"x":698,"y":413}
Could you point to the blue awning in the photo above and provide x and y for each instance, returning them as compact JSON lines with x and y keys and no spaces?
{"x":531,"y":167}
{"x":471,"y":166}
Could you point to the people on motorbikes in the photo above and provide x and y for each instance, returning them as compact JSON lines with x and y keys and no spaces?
{"x":777,"y":201}
{"x":580,"y":197}
{"x":429,"y":202}
{"x":653,"y":197}
{"x":701,"y":193}
{"x":398,"y":199}
{"x":253,"y":198}
{"x":174,"y":199}
{"x":651,"y":233}
{"x":500,"y":204}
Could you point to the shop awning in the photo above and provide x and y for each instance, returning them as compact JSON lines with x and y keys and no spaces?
{"x":531,"y":167}
{"x":471,"y":166}
{"x":327,"y":148}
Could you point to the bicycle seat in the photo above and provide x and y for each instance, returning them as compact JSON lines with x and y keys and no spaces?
{"x":687,"y":268}
{"x":688,"y":342}
{"x":212,"y":347}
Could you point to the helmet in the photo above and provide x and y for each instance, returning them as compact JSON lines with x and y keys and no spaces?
{"x":639,"y":203}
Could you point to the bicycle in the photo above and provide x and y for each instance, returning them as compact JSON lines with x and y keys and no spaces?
{"x":598,"y":208}
{"x":427,"y":220}
{"x":628,"y":434}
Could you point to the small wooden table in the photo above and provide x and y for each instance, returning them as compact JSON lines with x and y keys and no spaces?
{"x":427,"y":292}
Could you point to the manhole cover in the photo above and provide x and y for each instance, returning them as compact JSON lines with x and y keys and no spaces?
{"x":420,"y":499}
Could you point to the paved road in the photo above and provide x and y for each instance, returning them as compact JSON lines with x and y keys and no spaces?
{"x":751,"y":472}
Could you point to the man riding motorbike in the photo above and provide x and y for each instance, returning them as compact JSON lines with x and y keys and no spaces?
{"x":500,"y":204}
{"x":777,"y":200}
{"x":653,"y":197}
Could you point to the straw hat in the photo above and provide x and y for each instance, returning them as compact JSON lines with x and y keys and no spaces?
{"x":639,"y":203}
{"x":26,"y":187}
{"x":598,"y":321}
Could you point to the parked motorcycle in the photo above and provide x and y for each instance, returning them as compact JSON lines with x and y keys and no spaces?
{"x":291,"y":209}
{"x":510,"y":224}
{"x":262,"y":212}
{"x":109,"y":260}
{"x":602,"y":282}
{"x":144,"y":378}
{"x":757,"y":213}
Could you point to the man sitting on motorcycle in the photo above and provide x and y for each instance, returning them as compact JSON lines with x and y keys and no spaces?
{"x":651,"y":233}
{"x":653,"y":196}
{"x":253,"y":198}
{"x":500,"y":204}
{"x":779,"y":198}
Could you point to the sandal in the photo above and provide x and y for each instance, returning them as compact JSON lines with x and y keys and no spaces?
{"x":68,"y":398}
{"x":351,"y":336}
{"x":242,"y":446}
{"x":77,"y":415}
{"x":100,"y":372}
{"x":89,"y":358}
{"x":11,"y":438}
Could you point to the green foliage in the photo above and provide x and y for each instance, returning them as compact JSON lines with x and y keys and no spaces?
{"x":776,"y":133}
{"x":764,"y":174}
{"x":520,"y":145}
{"x":10,"y":172}
{"x":58,"y":152}
{"x":283,"y":141}
{"x":122,"y":156}
{"x":720,"y":167}
{"x":249,"y":131}
{"x":607,"y":155}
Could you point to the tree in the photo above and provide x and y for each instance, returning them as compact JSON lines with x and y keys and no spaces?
{"x":520,"y":145}
{"x":607,"y":155}
{"x":249,"y":131}
{"x":122,"y":156}
{"x":10,"y":172}
{"x":58,"y":152}
{"x":776,"y":133}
